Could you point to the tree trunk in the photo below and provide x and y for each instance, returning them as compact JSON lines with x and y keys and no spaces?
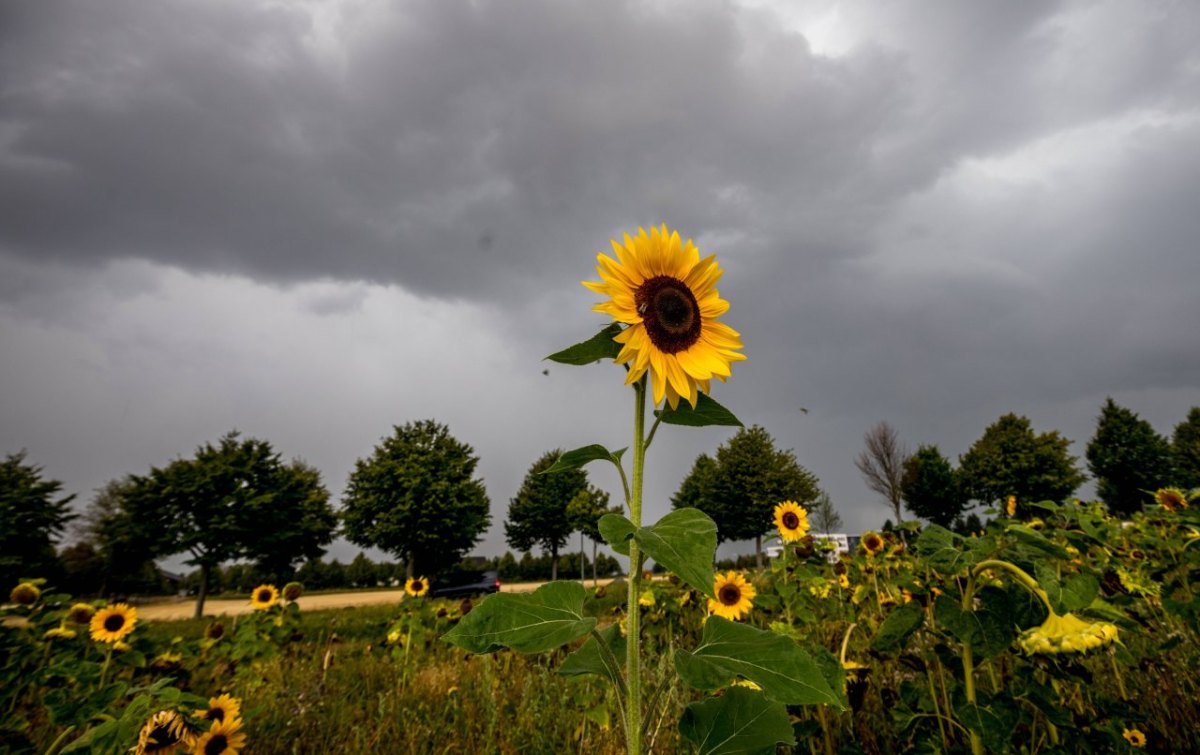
{"x":758,"y":551}
{"x":205,"y":570}
{"x":595,"y":580}
{"x":409,"y":569}
{"x":582,"y":561}
{"x":553,"y":563}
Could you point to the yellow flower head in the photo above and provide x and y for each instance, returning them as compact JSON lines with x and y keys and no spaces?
{"x":264,"y":596}
{"x":81,"y":613}
{"x":844,"y":581}
{"x":166,"y":661}
{"x":113,"y":622}
{"x":25,"y":594}
{"x":224,"y":738}
{"x":221,"y":709}
{"x":792,"y":521}
{"x":59,"y":633}
{"x":1135,"y":738}
{"x":1171,"y":499}
{"x":1066,"y":634}
{"x":667,"y":296}
{"x":872,"y":543}
{"x":416,"y":587}
{"x":165,"y":731}
{"x":735,"y":596}
{"x":1010,"y":507}
{"x":646,"y":599}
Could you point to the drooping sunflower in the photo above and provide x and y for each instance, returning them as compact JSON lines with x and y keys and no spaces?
{"x":113,"y":622}
{"x":792,"y":520}
{"x":292,"y":591}
{"x":224,"y":738}
{"x":416,"y":586}
{"x":165,"y":731}
{"x":1135,"y":738}
{"x":60,"y":632}
{"x":735,"y":596}
{"x":263,"y":597}
{"x":1171,"y":499}
{"x":81,"y":613}
{"x":660,"y":288}
{"x":872,"y":543}
{"x":221,"y":709}
{"x":25,"y":594}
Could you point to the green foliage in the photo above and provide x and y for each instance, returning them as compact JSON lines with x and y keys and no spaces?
{"x":31,"y":518}
{"x":824,"y":517}
{"x":706,"y":413}
{"x":125,"y":549}
{"x":532,"y":622}
{"x":930,"y":487}
{"x":898,"y":627}
{"x":416,"y":497}
{"x":1185,"y":451}
{"x":740,"y":721}
{"x":586,"y":508}
{"x":685,"y":542}
{"x":598,"y":347}
{"x":1010,"y":459}
{"x":695,"y":492}
{"x":1128,"y":459}
{"x":537,"y":515}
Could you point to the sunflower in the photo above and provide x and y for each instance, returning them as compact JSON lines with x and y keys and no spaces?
{"x":844,"y":581}
{"x":221,"y":709}
{"x":646,"y":599}
{"x":416,"y":587}
{"x":1171,"y":499}
{"x":25,"y":594}
{"x":660,"y":288}
{"x":264,"y":596}
{"x":165,"y":731}
{"x":792,"y":521}
{"x":59,"y":632}
{"x":1010,"y":507}
{"x":734,"y":596}
{"x":292,"y":591}
{"x":215,"y":631}
{"x":1135,"y":738}
{"x":224,"y":738}
{"x":81,"y":613}
{"x":113,"y":622}
{"x":1066,"y":634}
{"x":872,"y":543}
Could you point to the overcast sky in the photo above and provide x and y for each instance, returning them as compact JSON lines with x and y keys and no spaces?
{"x":311,"y":221}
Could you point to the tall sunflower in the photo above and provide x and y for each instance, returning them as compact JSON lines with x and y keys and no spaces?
{"x":660,"y":288}
{"x":224,"y":738}
{"x":113,"y":622}
{"x":264,"y":596}
{"x":792,"y":521}
{"x":872,"y":543}
{"x":416,"y":587}
{"x":735,"y":596}
{"x":165,"y":731}
{"x":221,"y":709}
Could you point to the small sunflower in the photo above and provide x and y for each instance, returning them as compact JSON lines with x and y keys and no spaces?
{"x":792,"y":521}
{"x":416,"y":587}
{"x":1171,"y":499}
{"x":844,"y":581}
{"x":25,"y":594}
{"x":81,"y":613}
{"x":263,"y":597}
{"x":646,"y":599}
{"x":735,"y":596}
{"x":1011,"y":506}
{"x":667,"y":297}
{"x":224,"y":738}
{"x":165,"y":731}
{"x":872,"y":543}
{"x":221,"y":709}
{"x":113,"y":622}
{"x":1135,"y":738}
{"x":292,"y":591}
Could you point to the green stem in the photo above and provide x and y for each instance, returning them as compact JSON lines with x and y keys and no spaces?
{"x":937,"y":708}
{"x":633,"y":675}
{"x":1021,"y":575}
{"x":58,"y":743}
{"x":104,"y":669}
{"x":846,"y":643}
{"x":968,"y":656}
{"x":610,"y":660}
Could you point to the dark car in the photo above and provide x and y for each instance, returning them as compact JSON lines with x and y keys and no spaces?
{"x":462,"y":583}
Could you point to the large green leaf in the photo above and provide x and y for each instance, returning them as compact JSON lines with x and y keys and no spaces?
{"x":740,"y":721}
{"x":590,"y":660}
{"x":616,"y":531}
{"x":546,"y":618}
{"x":599,"y":346}
{"x":706,"y":412}
{"x":684,"y":541}
{"x":946,"y":551}
{"x":986,"y":631}
{"x":1036,"y":541}
{"x":578,"y":457}
{"x":898,"y":626}
{"x":1074,"y":593}
{"x":728,"y":650}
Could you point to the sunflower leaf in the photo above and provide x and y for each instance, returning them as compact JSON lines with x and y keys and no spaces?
{"x":590,"y":660}
{"x":616,"y":531}
{"x":580,"y":456}
{"x":706,"y":412}
{"x":739,"y":721}
{"x":728,"y":650}
{"x":532,"y":622}
{"x":599,"y":346}
{"x":684,"y":541}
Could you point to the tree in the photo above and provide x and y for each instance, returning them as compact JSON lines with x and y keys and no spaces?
{"x":361,"y":571}
{"x":1010,"y":459}
{"x":32,"y":518}
{"x":823,"y":515}
{"x":416,"y":497}
{"x":751,"y":477}
{"x":125,"y":548}
{"x":584,"y":511}
{"x":881,"y":464}
{"x":537,"y":515}
{"x":930,"y":487}
{"x":696,"y":489}
{"x":1128,"y":459}
{"x":1185,"y":451}
{"x":234,"y":500}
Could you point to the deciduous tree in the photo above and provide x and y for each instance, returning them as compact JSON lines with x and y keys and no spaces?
{"x":32,"y":518}
{"x":584,"y":511}
{"x":537,"y":515}
{"x":1185,"y":451}
{"x":881,"y":464}
{"x":824,"y":517}
{"x":1128,"y":459}
{"x":930,"y":486}
{"x":1010,"y":459}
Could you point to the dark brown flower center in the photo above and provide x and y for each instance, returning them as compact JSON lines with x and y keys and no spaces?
{"x":670,"y":313}
{"x":264,"y":596}
{"x":161,"y":738}
{"x":113,"y":622}
{"x":216,"y":745}
{"x":790,"y":520}
{"x":730,"y":595}
{"x":215,"y":714}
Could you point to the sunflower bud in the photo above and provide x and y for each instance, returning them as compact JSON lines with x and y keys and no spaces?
{"x":25,"y":594}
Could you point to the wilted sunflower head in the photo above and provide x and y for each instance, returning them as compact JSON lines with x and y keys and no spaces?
{"x":223,"y":738}
{"x":113,"y":622}
{"x":263,"y":597}
{"x":792,"y":520}
{"x":166,"y":661}
{"x":1171,"y":499}
{"x":735,"y":596}
{"x":215,"y":631}
{"x":416,"y":586}
{"x":221,"y":709}
{"x":59,"y":633}
{"x":1135,"y":738}
{"x":25,"y":594}
{"x":872,"y":543}
{"x":81,"y":613}
{"x":292,"y":591}
{"x":667,"y":297}
{"x":165,"y":731}
{"x":1066,"y":634}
